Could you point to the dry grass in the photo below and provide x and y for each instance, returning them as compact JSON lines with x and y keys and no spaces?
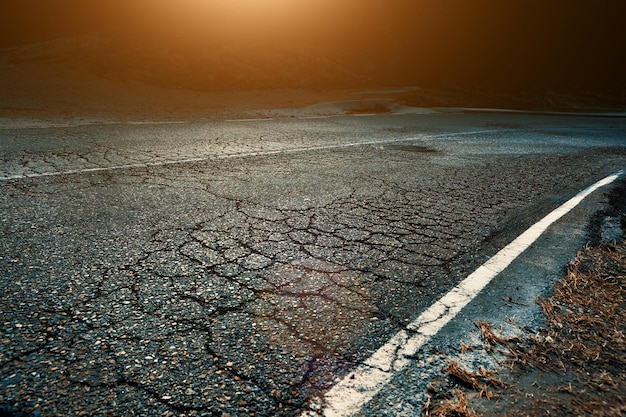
{"x":492,"y":339}
{"x":586,"y":313}
{"x":479,"y":381}
{"x":576,"y":365}
{"x":450,"y":408}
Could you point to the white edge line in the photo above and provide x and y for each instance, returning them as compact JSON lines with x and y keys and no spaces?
{"x":357,"y":388}
{"x":260,"y":119}
{"x":228,"y":156}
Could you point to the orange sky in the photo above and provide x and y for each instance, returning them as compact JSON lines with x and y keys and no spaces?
{"x":486,"y":41}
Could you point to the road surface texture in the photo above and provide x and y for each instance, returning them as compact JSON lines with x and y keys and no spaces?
{"x":242,"y":267}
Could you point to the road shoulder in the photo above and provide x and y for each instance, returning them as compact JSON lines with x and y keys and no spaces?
{"x":507,"y":308}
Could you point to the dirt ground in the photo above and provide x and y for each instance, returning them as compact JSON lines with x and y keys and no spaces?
{"x":48,"y":81}
{"x":576,"y":365}
{"x":57,"y":80}
{"x":51,"y":93}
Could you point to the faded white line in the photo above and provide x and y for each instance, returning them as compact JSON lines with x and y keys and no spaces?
{"x":260,"y":119}
{"x":357,"y":388}
{"x":225,"y":156}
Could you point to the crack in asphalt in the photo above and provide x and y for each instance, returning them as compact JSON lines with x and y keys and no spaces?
{"x":102,"y":157}
{"x":237,"y":285}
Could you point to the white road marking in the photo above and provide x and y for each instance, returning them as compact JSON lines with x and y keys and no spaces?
{"x":358,"y":387}
{"x":150,"y":122}
{"x":226,"y":156}
{"x":259,"y":119}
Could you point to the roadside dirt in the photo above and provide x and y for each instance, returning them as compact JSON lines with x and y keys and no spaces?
{"x":58,"y":80}
{"x":576,"y":365}
{"x":538,"y":100}
{"x":53,"y":81}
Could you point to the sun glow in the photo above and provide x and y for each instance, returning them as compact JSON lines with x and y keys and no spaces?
{"x":251,"y":19}
{"x":254,"y":7}
{"x":249,"y":12}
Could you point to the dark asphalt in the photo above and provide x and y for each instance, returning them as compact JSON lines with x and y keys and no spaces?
{"x":241,"y":267}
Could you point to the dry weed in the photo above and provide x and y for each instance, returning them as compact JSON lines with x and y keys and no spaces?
{"x":450,"y":408}
{"x":479,"y":381}
{"x":577,"y":363}
{"x":491,"y":338}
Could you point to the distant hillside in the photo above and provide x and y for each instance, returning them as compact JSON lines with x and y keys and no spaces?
{"x":122,"y":77}
{"x":514,"y":46}
{"x":64,"y":54}
{"x":227,"y":66}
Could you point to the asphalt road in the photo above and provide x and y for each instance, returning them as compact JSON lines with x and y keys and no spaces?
{"x":242,"y":267}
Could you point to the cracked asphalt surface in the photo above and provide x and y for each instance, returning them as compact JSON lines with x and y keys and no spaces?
{"x":240,"y":267}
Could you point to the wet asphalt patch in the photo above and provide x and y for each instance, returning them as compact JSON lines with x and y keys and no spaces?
{"x":410,"y":148}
